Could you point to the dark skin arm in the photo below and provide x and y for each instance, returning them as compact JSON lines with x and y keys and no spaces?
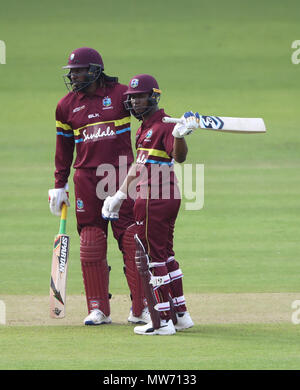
{"x":180,"y":150}
{"x":132,"y":174}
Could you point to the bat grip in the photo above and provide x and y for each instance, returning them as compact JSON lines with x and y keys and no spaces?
{"x":167,"y":119}
{"x":63,"y":219}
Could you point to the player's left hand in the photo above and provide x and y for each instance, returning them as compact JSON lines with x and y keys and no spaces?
{"x":189,"y":123}
{"x":112,"y":205}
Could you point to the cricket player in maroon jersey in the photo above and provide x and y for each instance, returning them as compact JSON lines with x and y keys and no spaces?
{"x":92,"y":118}
{"x":156,"y":205}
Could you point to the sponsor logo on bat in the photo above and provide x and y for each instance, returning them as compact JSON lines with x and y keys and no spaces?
{"x":56,"y":311}
{"x":211,"y":122}
{"x":56,"y":293}
{"x":63,"y":253}
{"x":56,"y":242}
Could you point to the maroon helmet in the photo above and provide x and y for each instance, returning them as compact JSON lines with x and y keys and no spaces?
{"x":142,"y":83}
{"x":85,"y":58}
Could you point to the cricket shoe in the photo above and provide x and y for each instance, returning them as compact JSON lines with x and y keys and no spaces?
{"x":144,"y":318}
{"x":96,"y":317}
{"x":184,"y":321}
{"x":166,"y":328}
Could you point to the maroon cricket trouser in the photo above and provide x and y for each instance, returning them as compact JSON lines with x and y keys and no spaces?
{"x":89,"y":206}
{"x":155,"y":220}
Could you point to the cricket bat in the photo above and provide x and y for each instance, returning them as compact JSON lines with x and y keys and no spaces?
{"x":227,"y":124}
{"x":58,"y":282}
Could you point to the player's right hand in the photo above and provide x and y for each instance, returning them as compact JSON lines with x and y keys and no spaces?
{"x":58,"y":196}
{"x":112,"y":205}
{"x":189,"y":122}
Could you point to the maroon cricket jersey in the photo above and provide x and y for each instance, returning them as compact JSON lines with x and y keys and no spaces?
{"x":98,"y":126}
{"x":154,"y":144}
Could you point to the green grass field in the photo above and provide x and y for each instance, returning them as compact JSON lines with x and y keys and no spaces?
{"x":228,"y":58}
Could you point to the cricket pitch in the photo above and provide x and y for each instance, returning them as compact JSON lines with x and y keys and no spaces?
{"x":204,"y":308}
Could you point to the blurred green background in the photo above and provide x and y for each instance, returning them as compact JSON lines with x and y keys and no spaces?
{"x":226,"y":58}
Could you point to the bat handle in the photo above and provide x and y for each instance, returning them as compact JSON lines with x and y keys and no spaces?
{"x":167,"y":119}
{"x":64,"y":211}
{"x":63,"y":219}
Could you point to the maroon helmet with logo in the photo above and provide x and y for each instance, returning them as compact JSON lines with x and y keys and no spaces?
{"x":142,"y":83}
{"x":83,"y":58}
{"x":89,"y":60}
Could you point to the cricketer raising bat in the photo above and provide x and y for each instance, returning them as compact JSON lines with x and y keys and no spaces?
{"x":58,"y":282}
{"x":227,"y":124}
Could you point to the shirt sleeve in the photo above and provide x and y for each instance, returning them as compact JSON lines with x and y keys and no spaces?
{"x":168,"y":139}
{"x":64,"y":149}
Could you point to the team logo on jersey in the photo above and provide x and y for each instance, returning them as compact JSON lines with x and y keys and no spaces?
{"x":148,"y":135}
{"x":79,"y":204}
{"x":106,"y":101}
{"x":134,"y":83}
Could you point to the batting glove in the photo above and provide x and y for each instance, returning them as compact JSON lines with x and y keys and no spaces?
{"x":112,"y":205}
{"x":57,"y":197}
{"x":189,"y":122}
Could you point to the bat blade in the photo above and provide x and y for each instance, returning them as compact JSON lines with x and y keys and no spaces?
{"x":58,"y":281}
{"x":227,"y":124}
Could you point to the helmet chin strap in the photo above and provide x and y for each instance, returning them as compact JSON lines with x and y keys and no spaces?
{"x":152,"y":106}
{"x":93,"y":73}
{"x":141,"y":116}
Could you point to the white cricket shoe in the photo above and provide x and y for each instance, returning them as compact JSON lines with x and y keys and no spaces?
{"x":96,"y":317}
{"x":144,"y":318}
{"x":166,"y":328}
{"x":184,"y":321}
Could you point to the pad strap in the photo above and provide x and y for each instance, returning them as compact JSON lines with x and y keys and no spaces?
{"x":176,"y":274}
{"x":162,"y":306}
{"x":153,"y":264}
{"x":178,"y":301}
{"x":158,"y":281}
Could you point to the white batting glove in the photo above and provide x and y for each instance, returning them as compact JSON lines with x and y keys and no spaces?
{"x":58,"y":196}
{"x":112,"y":205}
{"x":189,"y":123}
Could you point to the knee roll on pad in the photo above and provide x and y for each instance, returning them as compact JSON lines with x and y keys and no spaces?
{"x":93,"y":243}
